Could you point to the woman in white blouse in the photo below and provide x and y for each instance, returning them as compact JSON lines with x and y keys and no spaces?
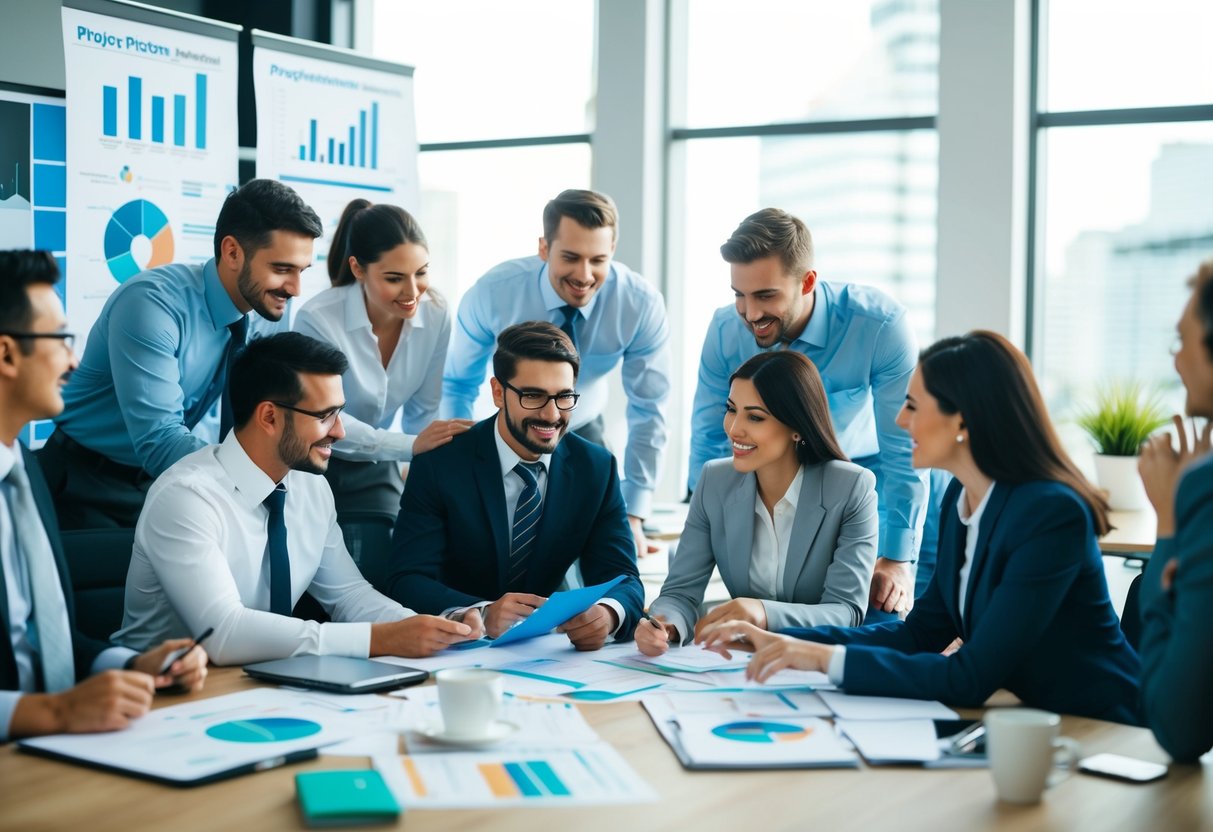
{"x":790,"y":523}
{"x":394,"y":330}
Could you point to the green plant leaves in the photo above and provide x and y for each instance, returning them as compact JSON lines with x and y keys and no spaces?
{"x":1124,"y":416}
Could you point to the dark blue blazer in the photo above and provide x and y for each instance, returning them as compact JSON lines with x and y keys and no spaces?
{"x":1177,"y":626}
{"x":85,"y":649}
{"x":1037,"y":618}
{"x":451,"y":544}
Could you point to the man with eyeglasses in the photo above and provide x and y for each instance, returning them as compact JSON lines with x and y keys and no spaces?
{"x":493,"y":520}
{"x":234,"y":534}
{"x":157,"y":358}
{"x":53,"y":678}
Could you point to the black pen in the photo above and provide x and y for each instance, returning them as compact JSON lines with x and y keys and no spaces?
{"x":645,"y":615}
{"x":182,"y":652}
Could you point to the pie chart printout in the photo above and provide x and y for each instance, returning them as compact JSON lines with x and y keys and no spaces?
{"x":263,"y":729}
{"x":128,"y":234}
{"x":761,"y":732}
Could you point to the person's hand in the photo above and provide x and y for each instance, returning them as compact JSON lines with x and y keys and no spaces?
{"x":418,"y":636}
{"x":956,"y":644}
{"x":107,"y":701}
{"x":786,"y":652}
{"x":643,"y":547}
{"x":892,"y":586}
{"x":726,"y":636}
{"x":1168,"y":574}
{"x":439,"y":432}
{"x":474,"y":620}
{"x":750,"y":610}
{"x":189,"y":671}
{"x":508,"y":610}
{"x":1161,"y":465}
{"x":654,"y":639}
{"x":589,"y":630}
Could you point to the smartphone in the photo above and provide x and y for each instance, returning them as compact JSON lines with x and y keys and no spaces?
{"x":1121,"y":768}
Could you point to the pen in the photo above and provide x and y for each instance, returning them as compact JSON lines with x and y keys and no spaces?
{"x":182,"y":652}
{"x":966,"y":741}
{"x":645,"y":615}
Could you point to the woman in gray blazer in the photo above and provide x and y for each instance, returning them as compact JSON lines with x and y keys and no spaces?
{"x":790,"y":522}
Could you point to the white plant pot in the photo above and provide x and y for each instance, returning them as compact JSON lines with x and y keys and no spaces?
{"x":1118,"y":476}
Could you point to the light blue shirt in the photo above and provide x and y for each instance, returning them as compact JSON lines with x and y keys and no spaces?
{"x":153,"y":367}
{"x":862,"y":344}
{"x":624,"y":321}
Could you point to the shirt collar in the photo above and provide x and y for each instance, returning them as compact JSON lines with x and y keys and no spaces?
{"x":355,"y":310}
{"x":218,"y":303}
{"x":10,"y":458}
{"x":973,"y":519}
{"x":791,"y":496}
{"x":251,"y":483}
{"x":507,"y":457}
{"x":553,"y":301}
{"x":817,"y":330}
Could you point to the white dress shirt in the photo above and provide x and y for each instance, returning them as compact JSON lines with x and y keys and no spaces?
{"x":373,"y":394}
{"x":769,"y":552}
{"x":200,"y":561}
{"x":20,"y":602}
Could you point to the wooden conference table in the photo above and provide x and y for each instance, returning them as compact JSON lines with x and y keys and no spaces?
{"x":42,"y":794}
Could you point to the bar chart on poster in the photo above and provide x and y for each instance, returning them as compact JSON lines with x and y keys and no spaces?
{"x":334,"y":125}
{"x":152,"y":148}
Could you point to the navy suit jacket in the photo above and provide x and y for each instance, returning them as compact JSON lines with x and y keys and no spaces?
{"x":451,"y":544}
{"x":85,"y":649}
{"x":1037,"y":618}
{"x":1177,"y":626}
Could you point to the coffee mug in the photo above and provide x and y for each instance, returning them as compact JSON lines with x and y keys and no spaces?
{"x":470,"y":699}
{"x":1024,"y":749}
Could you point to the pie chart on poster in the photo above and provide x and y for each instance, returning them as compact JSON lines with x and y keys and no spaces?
{"x":263,"y":729}
{"x":137,"y":237}
{"x":766,"y":732}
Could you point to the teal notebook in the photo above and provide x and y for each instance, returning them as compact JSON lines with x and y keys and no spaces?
{"x":341,"y":798}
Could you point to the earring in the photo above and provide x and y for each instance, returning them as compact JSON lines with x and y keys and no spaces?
{"x":960,"y":438}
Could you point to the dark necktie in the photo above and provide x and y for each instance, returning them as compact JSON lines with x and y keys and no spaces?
{"x":238,"y":329}
{"x":527,"y":512}
{"x":280,"y":562}
{"x":572,"y":317}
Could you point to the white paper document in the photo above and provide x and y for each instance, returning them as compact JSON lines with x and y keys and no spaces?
{"x":694,"y":659}
{"x":846,"y":706}
{"x":892,"y":740}
{"x":539,"y":724}
{"x":724,"y":741}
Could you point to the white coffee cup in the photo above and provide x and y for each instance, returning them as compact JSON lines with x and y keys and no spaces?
{"x":1024,"y":749}
{"x":470,"y":699}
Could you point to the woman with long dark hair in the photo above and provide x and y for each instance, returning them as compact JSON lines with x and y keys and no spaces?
{"x":1019,"y":578}
{"x":789,"y":521}
{"x":394,"y":329}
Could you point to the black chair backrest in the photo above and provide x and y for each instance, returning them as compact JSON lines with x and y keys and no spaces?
{"x":97,"y":560}
{"x":1130,"y":617}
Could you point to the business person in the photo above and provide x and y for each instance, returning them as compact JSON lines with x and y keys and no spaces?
{"x":233,"y":534}
{"x":612,"y":315}
{"x":53,"y":679}
{"x":1177,"y":588}
{"x":790,"y":523}
{"x":495,"y":518}
{"x":1019,"y":578}
{"x":860,"y":341}
{"x":394,"y":329}
{"x":158,"y":357}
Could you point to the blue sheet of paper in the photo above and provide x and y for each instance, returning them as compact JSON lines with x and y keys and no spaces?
{"x":559,"y":608}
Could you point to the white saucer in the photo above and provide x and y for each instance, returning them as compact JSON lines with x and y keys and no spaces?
{"x":498,"y":731}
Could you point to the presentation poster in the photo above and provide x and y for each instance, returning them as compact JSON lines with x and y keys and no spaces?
{"x":152,"y":144}
{"x":335,"y":126}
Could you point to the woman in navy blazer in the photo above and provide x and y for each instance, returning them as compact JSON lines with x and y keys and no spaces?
{"x":1019,"y":579}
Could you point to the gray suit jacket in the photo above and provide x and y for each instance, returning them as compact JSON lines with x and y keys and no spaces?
{"x":831,"y":553}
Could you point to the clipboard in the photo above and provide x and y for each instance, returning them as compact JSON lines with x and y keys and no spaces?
{"x":559,"y":608}
{"x":32,"y":747}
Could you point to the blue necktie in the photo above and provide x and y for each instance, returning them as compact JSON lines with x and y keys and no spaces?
{"x":280,"y":562}
{"x":239,"y":330}
{"x":571,"y":319}
{"x":527,"y":512}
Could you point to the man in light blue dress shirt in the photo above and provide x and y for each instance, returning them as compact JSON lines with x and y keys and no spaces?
{"x":157,"y":357}
{"x":611,"y":313}
{"x":862,"y":344}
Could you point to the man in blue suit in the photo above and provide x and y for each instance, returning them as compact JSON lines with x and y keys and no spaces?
{"x":495,"y":518}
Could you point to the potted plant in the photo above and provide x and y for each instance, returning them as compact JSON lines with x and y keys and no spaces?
{"x":1123,"y":417}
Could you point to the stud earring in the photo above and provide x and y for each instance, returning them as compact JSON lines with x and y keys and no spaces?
{"x":960,"y":438}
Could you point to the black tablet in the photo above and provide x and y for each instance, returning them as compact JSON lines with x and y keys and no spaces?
{"x":336,"y":674}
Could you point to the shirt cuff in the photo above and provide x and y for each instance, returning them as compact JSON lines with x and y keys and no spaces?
{"x":618,"y":608}
{"x":345,"y":640}
{"x":8,"y":707}
{"x":838,"y":661}
{"x":637,"y":498}
{"x":113,"y":658}
{"x":898,"y":544}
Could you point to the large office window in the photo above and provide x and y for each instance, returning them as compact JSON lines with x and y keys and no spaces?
{"x":504,"y":113}
{"x":821,"y":108}
{"x":1124,"y":158}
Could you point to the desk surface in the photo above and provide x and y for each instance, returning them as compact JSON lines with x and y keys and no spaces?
{"x":1135,"y":533}
{"x":44,"y":794}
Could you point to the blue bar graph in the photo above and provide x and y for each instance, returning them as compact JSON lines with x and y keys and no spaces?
{"x":312,"y":144}
{"x":135,"y":110}
{"x":134,"y":107}
{"x":179,"y":120}
{"x":158,"y":119}
{"x":200,"y":110}
{"x":331,"y":155}
{"x":356,"y":145}
{"x":374,"y":135}
{"x":362,"y":139}
{"x":109,"y":110}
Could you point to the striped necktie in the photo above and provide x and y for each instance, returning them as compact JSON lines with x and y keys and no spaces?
{"x":527,"y":512}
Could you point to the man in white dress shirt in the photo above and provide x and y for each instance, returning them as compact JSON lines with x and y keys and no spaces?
{"x":232,"y":535}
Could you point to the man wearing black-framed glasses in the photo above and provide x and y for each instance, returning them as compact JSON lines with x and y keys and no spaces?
{"x":493,"y":520}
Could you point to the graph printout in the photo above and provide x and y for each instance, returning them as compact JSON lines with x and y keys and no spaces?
{"x":335,"y":126}
{"x":152,"y":148}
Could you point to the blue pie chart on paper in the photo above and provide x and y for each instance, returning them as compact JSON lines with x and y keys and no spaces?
{"x":264,"y":729}
{"x":137,"y":218}
{"x":764,"y":732}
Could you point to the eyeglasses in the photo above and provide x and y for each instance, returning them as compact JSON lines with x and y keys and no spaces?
{"x":325,"y":417}
{"x":68,"y":338}
{"x":532,"y":400}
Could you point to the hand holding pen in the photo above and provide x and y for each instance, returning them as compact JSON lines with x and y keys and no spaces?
{"x":177,"y":662}
{"x":653,"y":635}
